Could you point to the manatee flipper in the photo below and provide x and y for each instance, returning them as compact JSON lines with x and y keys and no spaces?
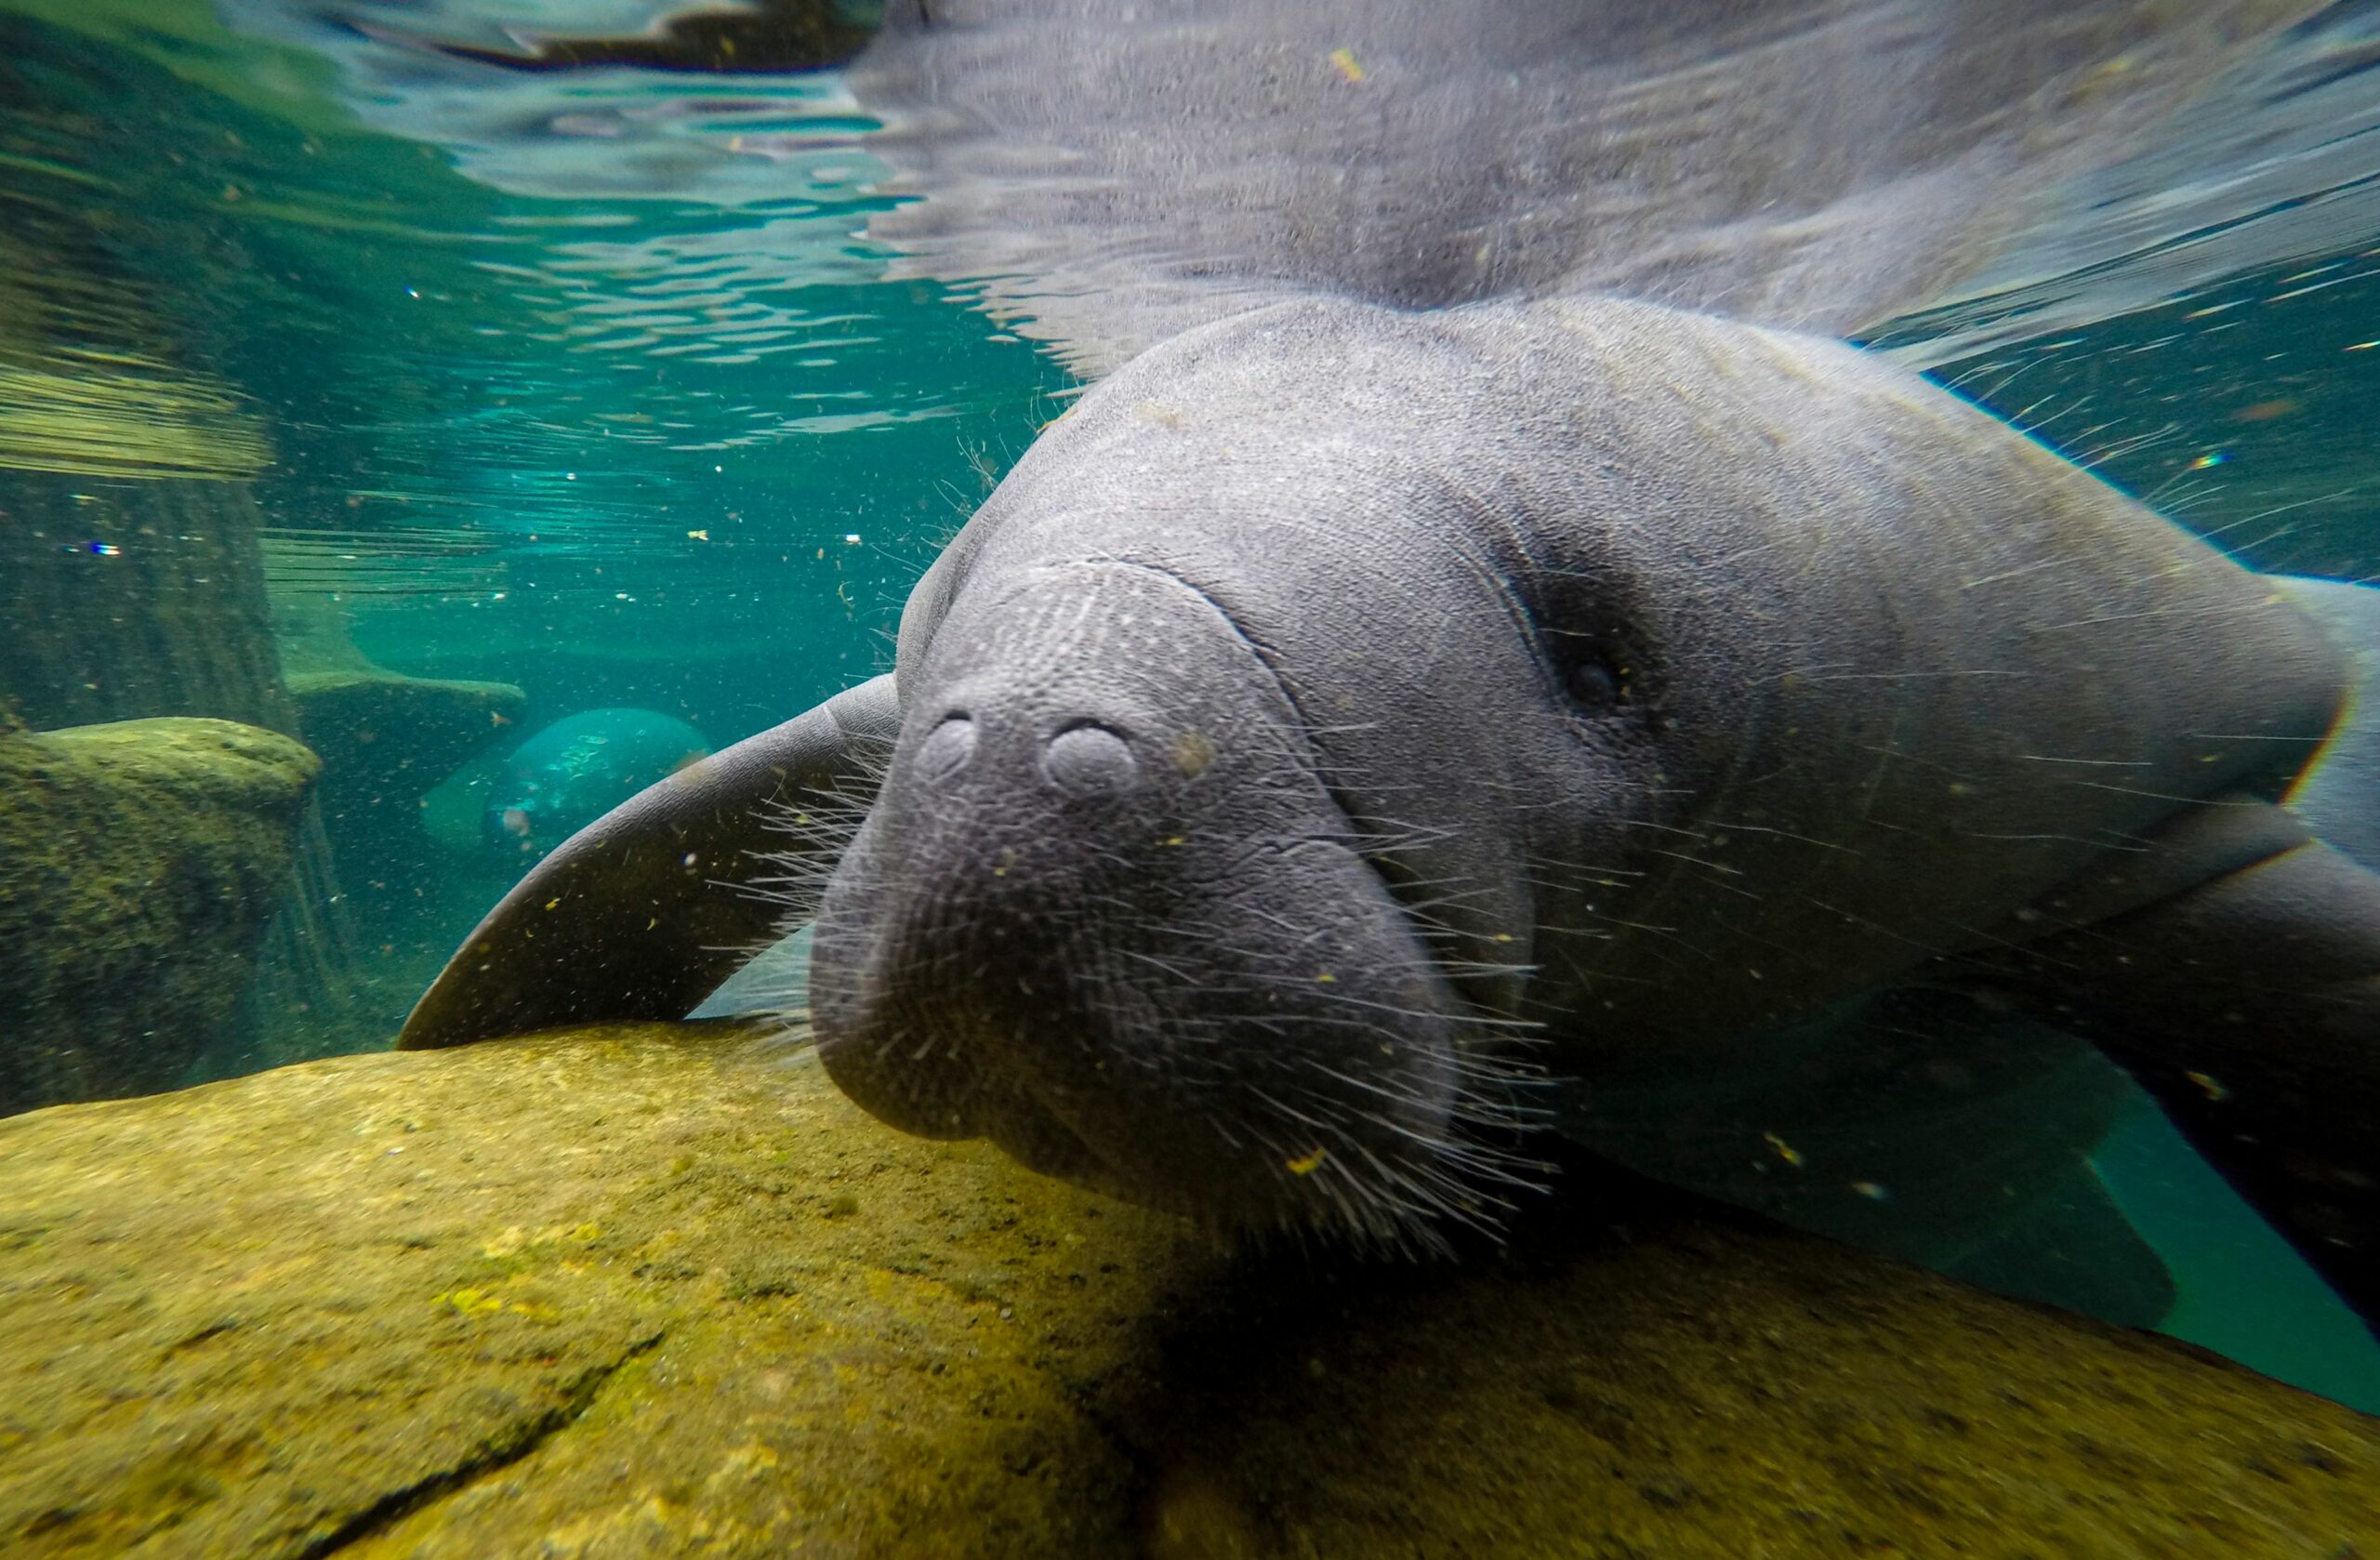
{"x":643,"y":912}
{"x":2249,"y":1005}
{"x":2338,"y":795}
{"x":1917,"y":1122}
{"x":2070,"y":1245}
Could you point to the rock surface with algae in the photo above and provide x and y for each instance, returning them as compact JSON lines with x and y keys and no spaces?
{"x":661,"y":1292}
{"x":386,"y":739}
{"x":139,"y":861}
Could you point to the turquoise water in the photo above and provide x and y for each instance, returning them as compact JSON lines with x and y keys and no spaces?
{"x":642,"y":448}
{"x":592,"y":387}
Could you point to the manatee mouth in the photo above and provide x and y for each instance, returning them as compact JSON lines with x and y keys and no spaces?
{"x":1113,"y":921}
{"x":1344,"y":1091}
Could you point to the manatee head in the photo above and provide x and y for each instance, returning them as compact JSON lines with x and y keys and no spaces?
{"x":1108,"y":914}
{"x":1201,"y":871}
{"x":1339,"y":697}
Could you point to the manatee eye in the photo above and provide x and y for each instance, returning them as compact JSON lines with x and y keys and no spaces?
{"x":1594,"y":684}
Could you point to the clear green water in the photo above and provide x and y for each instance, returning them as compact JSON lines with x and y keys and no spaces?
{"x":619,"y":451}
{"x":565,"y":388}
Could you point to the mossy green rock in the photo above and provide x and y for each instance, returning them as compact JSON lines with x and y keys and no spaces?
{"x":661,"y":1292}
{"x":386,"y":739}
{"x":139,"y":861}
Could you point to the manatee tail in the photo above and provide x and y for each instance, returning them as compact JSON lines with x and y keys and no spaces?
{"x":645,"y":910}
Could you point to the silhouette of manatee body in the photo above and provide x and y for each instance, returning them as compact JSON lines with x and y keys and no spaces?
{"x":579,"y":768}
{"x":1343,"y":714}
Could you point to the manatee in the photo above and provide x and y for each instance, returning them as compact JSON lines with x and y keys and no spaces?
{"x":1345,"y":715}
{"x":579,"y":768}
{"x":1421,"y":693}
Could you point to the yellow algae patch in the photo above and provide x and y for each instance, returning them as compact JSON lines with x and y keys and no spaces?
{"x":471,"y":1301}
{"x":750,"y":1455}
{"x":1193,"y":752}
{"x":513,"y":1240}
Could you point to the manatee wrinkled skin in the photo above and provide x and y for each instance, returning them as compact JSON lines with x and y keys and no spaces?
{"x":1345,"y":718}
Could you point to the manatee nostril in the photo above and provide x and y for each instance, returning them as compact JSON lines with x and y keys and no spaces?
{"x":1089,"y":760}
{"x":946,"y":749}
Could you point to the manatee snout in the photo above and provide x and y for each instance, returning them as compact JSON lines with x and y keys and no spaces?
{"x":1105,"y":913}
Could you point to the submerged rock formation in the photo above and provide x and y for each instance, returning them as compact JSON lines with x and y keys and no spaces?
{"x":133,"y":600}
{"x":661,"y":1292}
{"x":386,"y":739}
{"x":129,"y":600}
{"x":139,"y":861}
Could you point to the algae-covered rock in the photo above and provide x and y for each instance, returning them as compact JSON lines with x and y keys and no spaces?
{"x":662,"y":1291}
{"x":386,"y":739}
{"x":132,"y":601}
{"x":139,"y":861}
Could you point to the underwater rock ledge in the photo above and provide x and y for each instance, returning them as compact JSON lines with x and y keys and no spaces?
{"x":139,"y":862}
{"x":659,"y":1290}
{"x":386,"y":740}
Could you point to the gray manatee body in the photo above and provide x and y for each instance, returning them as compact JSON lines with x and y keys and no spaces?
{"x":1345,"y":718}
